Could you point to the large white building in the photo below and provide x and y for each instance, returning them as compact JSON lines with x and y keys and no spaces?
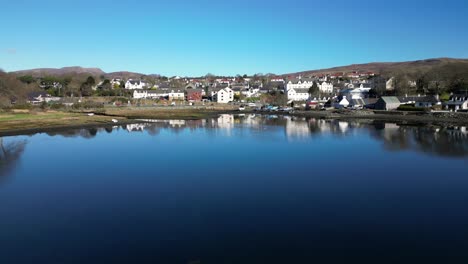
{"x":299,"y":83}
{"x":224,"y":96}
{"x":133,"y":84}
{"x":326,"y":87}
{"x":298,"y":89}
{"x":298,"y":94}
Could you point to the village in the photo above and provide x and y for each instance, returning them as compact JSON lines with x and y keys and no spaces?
{"x":354,"y":90}
{"x":333,"y":91}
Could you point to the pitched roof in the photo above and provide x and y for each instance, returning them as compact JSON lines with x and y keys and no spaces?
{"x":390,"y":99}
{"x":192,"y":91}
{"x":301,"y":90}
{"x":359,"y":101}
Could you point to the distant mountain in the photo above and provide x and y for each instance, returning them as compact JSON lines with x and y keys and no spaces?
{"x":61,"y":72}
{"x":387,"y":68}
{"x":124,"y":75}
{"x":96,"y":72}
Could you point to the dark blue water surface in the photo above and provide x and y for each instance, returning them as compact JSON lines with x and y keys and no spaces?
{"x":236,"y":189}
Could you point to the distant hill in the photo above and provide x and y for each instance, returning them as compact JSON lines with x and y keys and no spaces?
{"x":124,"y":75}
{"x":61,"y":72}
{"x":385,"y":68}
{"x":388,"y":68}
{"x":76,"y":70}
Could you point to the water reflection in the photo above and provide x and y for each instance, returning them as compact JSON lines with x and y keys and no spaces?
{"x":435,"y":140}
{"x":10,"y":153}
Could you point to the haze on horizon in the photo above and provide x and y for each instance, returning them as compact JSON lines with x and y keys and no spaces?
{"x":226,"y":38}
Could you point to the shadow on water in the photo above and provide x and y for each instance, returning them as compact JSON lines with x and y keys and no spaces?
{"x":10,"y":154}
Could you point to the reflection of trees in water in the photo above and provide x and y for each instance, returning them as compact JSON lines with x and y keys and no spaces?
{"x":82,"y":132}
{"x":9,"y":155}
{"x":427,"y":139}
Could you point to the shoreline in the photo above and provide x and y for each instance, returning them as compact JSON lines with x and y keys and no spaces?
{"x":77,"y":120}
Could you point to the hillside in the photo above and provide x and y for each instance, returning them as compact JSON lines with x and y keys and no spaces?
{"x":76,"y":70}
{"x":41,"y":72}
{"x":385,"y":68}
{"x":388,"y":68}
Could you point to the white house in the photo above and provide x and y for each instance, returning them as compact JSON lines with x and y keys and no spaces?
{"x":326,"y":87}
{"x":251,"y":92}
{"x":457,"y":102}
{"x":299,"y":84}
{"x":176,"y":95}
{"x":40,"y":97}
{"x":356,"y":93}
{"x":341,"y":104}
{"x":133,"y":84}
{"x":150,"y":94}
{"x":224,"y":96}
{"x":277,"y":79}
{"x":298,"y":94}
{"x":115,"y":82}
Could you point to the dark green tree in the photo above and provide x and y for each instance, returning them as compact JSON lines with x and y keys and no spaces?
{"x":314,"y":89}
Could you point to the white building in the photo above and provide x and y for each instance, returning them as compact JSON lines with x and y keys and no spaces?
{"x":149,"y":94}
{"x":40,"y":97}
{"x":224,"y":96}
{"x":115,"y":82}
{"x":133,"y":84}
{"x":298,"y":94}
{"x":251,"y":92}
{"x":176,"y":95}
{"x":356,"y":93}
{"x":326,"y":87}
{"x":343,"y":103}
{"x":277,"y":79}
{"x":299,"y":84}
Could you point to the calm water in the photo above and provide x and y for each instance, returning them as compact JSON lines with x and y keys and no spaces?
{"x":236,"y":189}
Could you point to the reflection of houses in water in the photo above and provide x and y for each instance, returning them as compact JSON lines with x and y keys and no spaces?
{"x":390,"y":130}
{"x":225,"y":121}
{"x":177,"y":123}
{"x":297,"y":127}
{"x":343,"y":126}
{"x":136,"y":127}
{"x":451,"y":141}
{"x":458,"y":132}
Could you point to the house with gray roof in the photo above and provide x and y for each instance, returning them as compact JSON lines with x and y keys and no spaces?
{"x":457,"y":102}
{"x":387,"y":103}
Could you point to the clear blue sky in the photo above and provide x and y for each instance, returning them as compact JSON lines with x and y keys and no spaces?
{"x":192,"y":38}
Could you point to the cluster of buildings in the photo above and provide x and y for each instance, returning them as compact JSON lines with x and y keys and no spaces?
{"x":224,"y":95}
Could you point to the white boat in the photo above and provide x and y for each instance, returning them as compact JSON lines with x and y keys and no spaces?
{"x":115,"y":120}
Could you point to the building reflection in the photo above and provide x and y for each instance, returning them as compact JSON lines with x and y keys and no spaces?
{"x":435,"y":140}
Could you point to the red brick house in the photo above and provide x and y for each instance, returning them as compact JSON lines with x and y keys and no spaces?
{"x":194,"y":95}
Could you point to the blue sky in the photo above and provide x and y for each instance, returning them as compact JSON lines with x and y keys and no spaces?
{"x":192,"y":38}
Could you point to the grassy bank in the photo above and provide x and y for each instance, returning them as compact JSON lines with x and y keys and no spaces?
{"x":16,"y":121}
{"x":164,"y":113}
